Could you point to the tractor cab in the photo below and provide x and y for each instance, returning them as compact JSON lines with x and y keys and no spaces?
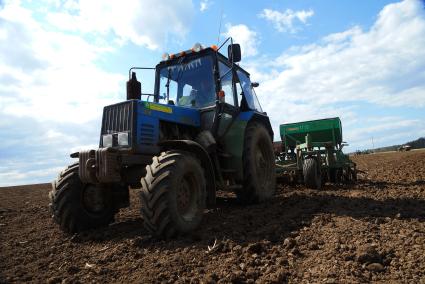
{"x":206,"y":80}
{"x":199,"y":77}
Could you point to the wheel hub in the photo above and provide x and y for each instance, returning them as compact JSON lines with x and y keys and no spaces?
{"x":93,"y":199}
{"x":187,"y":196}
{"x":183,"y":197}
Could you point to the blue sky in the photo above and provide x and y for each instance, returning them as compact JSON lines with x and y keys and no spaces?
{"x":62,"y":61}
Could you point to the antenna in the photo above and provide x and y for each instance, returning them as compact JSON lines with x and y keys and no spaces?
{"x":219,"y":27}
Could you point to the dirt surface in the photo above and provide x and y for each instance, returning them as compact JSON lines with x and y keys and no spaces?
{"x":372,"y":231}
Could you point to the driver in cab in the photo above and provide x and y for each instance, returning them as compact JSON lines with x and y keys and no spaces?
{"x":202,"y":96}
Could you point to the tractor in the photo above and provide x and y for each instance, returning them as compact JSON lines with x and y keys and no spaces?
{"x":201,"y":131}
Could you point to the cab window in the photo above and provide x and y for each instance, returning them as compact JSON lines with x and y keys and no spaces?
{"x":189,"y":82}
{"x":249,"y":93}
{"x":226,"y":83}
{"x":188,"y":96}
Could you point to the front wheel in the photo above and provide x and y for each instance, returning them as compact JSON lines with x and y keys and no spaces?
{"x":77,"y":206}
{"x":173,"y":194}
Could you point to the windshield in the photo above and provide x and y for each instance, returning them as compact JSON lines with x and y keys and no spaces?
{"x":188,"y":83}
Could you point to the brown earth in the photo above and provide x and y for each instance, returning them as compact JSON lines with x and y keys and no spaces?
{"x":372,"y":231}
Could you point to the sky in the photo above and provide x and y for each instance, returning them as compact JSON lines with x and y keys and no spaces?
{"x":61,"y":61}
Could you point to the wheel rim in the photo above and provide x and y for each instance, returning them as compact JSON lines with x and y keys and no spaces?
{"x":93,"y":199}
{"x":187,"y":197}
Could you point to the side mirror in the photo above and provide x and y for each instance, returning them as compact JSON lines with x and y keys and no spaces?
{"x":255,"y":84}
{"x":234,"y":52}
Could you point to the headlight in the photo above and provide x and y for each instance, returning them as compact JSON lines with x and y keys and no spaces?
{"x":107,"y":140}
{"x":123,"y":139}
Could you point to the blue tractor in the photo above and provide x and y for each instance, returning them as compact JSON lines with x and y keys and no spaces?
{"x":202,"y":130}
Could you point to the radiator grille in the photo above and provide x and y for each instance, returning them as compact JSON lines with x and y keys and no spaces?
{"x":119,"y":118}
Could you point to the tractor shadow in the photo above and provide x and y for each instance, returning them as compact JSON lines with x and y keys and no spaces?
{"x":385,"y":184}
{"x":121,"y":230}
{"x":366,"y":185}
{"x":285,"y":215}
{"x":274,"y":220}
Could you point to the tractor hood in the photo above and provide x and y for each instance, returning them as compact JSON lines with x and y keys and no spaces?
{"x":134,"y":124}
{"x":180,"y":115}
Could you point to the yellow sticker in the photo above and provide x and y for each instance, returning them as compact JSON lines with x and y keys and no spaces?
{"x":160,"y":108}
{"x":292,"y":129}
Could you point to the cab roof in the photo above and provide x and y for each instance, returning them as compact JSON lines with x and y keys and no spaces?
{"x":193,"y":54}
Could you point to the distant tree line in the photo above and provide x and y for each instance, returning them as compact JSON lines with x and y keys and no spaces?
{"x":415,"y":144}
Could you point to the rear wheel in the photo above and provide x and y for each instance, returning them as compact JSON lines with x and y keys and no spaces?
{"x":258,"y":166}
{"x":173,"y":194}
{"x":76,"y":206}
{"x":311,"y":173}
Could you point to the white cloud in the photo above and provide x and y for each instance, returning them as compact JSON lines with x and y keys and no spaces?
{"x":20,"y":177}
{"x":148,"y":22}
{"x":285,"y":21}
{"x":50,"y":86}
{"x":379,"y":125}
{"x":33,"y":151}
{"x":48,"y":75}
{"x":384,"y":131}
{"x":383,"y":67}
{"x":248,"y":39}
{"x":204,"y":5}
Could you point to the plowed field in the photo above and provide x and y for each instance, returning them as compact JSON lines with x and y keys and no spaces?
{"x":372,"y":231}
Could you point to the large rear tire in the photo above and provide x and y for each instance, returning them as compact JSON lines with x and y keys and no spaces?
{"x":258,"y":166}
{"x":173,"y":194}
{"x":311,"y":173}
{"x":76,"y":206}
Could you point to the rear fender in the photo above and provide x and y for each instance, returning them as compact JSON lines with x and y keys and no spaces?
{"x":264,"y":119}
{"x":202,"y":155}
{"x":259,"y":117}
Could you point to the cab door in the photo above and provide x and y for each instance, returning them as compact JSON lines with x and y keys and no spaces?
{"x":228,"y":108}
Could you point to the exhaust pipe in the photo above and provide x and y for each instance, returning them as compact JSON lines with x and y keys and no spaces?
{"x":134,"y":88}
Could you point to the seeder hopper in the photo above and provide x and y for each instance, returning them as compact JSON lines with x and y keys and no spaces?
{"x":311,"y":153}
